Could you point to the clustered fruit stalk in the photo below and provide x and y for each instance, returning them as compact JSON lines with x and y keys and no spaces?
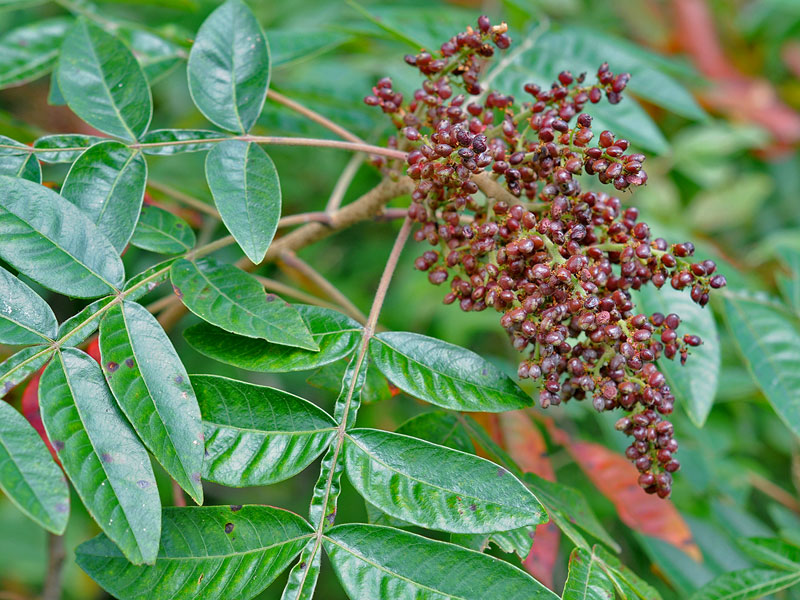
{"x":557,"y":261}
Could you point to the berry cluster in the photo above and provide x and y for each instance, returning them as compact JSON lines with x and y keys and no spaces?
{"x":498,"y":198}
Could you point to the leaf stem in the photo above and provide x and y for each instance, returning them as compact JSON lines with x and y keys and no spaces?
{"x":341,"y":429}
{"x":267,"y":140}
{"x":314,"y":116}
{"x":184,"y":198}
{"x":290,"y":259}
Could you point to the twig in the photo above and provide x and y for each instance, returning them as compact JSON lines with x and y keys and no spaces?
{"x":343,"y":183}
{"x":178,"y":498}
{"x":160,"y":304}
{"x":295,"y":262}
{"x":279,"y":287}
{"x":55,"y":565}
{"x":183,"y":198}
{"x":314,"y":116}
{"x":303,"y":218}
{"x":775,"y":492}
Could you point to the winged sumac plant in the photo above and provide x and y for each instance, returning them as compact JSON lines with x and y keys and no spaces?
{"x":494,"y":191}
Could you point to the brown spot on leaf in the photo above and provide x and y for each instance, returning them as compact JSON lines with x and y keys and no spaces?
{"x":106,"y":457}
{"x":62,"y":508}
{"x":177,"y":291}
{"x":271,"y":297}
{"x":331,"y":518}
{"x":236,"y":507}
{"x":179,"y":379}
{"x":501,"y":472}
{"x":58,"y":445}
{"x":473,"y":508}
{"x":303,"y":565}
{"x":229,"y":527}
{"x":111,"y":366}
{"x":196,"y":477}
{"x":129,"y":363}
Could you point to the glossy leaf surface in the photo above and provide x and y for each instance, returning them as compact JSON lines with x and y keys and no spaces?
{"x":101,"y":454}
{"x":158,"y":230}
{"x":437,"y":487}
{"x":107,"y":183}
{"x":334,"y":333}
{"x":257,"y":435}
{"x":51,"y":241}
{"x":444,"y":374}
{"x":382,"y":562}
{"x":25,"y":318}
{"x":153,"y":389}
{"x":227,"y":297}
{"x":28,"y":475}
{"x":247,"y":192}
{"x":103,"y":83}
{"x":229,"y":67}
{"x":210,"y":552}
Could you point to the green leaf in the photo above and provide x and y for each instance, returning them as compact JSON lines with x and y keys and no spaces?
{"x":440,"y":428}
{"x":257,"y":435}
{"x":19,"y":163}
{"x":148,"y":280}
{"x":773,"y":552}
{"x":102,"y":82}
{"x":24,"y":317}
{"x":444,"y":374}
{"x":586,"y":579}
{"x":77,"y":327}
{"x":290,"y":46}
{"x":247,"y":192}
{"x":28,"y":52}
{"x":28,"y":475}
{"x":437,"y":487}
{"x":571,"y":506}
{"x":208,"y":552}
{"x":158,"y":230}
{"x":769,"y":344}
{"x":51,"y":241}
{"x":229,"y":67}
{"x":626,"y":582}
{"x":17,"y":367}
{"x":789,"y":285}
{"x":329,"y":377}
{"x":190,"y":140}
{"x":105,"y":461}
{"x":746,"y":583}
{"x":334,"y":333}
{"x":153,"y":390}
{"x":695,"y":383}
{"x":69,"y":146}
{"x":517,"y":541}
{"x":380,"y":562}
{"x":107,"y":183}
{"x":156,"y":55}
{"x":227,"y":297}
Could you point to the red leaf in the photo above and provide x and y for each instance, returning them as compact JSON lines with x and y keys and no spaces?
{"x":526,"y":445}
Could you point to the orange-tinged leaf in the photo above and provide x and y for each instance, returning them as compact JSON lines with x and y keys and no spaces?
{"x":525,"y":444}
{"x":491,"y":424}
{"x":616,"y":478}
{"x":541,"y":560}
